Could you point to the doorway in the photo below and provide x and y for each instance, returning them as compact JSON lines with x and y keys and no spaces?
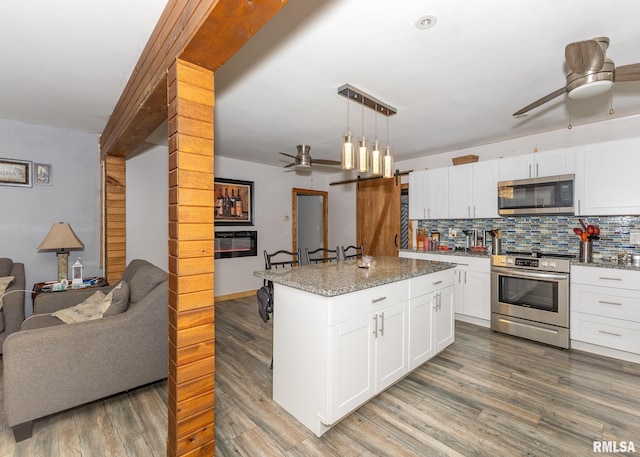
{"x":310,"y":219}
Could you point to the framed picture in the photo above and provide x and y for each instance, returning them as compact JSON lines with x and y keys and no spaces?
{"x":234,"y":202}
{"x":15,"y":172}
{"x":42,"y":173}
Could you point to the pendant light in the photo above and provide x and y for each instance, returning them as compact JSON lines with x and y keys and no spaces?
{"x":387,"y":160}
{"x":348,"y":155}
{"x":363,"y":151}
{"x":376,"y":155}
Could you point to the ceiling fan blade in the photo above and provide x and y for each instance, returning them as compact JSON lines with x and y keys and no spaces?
{"x":326,"y":162}
{"x":288,"y":155}
{"x":290,"y":165}
{"x":629,"y":72}
{"x":584,"y":56}
{"x":541,"y":101}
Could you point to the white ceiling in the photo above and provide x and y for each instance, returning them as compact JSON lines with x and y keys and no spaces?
{"x":456,"y":85}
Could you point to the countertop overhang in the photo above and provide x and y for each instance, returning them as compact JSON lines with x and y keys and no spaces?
{"x":346,"y":276}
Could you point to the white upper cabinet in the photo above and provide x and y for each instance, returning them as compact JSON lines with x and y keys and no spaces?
{"x":607,"y":177}
{"x":428,"y":194}
{"x":473,"y":190}
{"x":539,"y":164}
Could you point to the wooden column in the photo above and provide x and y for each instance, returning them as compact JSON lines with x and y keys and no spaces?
{"x":190,"y":99}
{"x":115,"y":217}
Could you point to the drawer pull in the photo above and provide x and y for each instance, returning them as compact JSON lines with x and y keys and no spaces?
{"x":375,"y":331}
{"x":609,"y":303}
{"x":610,"y":279}
{"x":609,"y":333}
{"x":435,"y":283}
{"x":375,"y":300}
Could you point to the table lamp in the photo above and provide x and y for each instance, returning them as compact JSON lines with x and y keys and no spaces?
{"x":61,"y":239}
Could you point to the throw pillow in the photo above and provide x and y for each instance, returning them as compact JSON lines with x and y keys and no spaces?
{"x":6,"y":265}
{"x":119,"y":299}
{"x":89,"y":309}
{"x":5,"y":283}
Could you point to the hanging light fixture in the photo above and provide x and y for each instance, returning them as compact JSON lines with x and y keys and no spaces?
{"x":375,"y":162}
{"x":387,"y":160}
{"x":348,"y":155}
{"x":376,"y":155}
{"x":363,"y":151}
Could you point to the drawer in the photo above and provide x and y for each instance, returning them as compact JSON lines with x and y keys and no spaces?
{"x":606,"y":277}
{"x":426,"y":284}
{"x":348,"y":306}
{"x":605,"y":331}
{"x":421,"y":256}
{"x":606,"y":301}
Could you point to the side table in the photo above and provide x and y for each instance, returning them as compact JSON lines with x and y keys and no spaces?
{"x":47,"y":287}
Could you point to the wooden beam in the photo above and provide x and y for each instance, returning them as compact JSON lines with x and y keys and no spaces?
{"x":191,"y":295}
{"x":204,"y":32}
{"x":115,"y":218}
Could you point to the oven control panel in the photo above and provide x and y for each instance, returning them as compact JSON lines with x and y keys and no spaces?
{"x":531,"y":263}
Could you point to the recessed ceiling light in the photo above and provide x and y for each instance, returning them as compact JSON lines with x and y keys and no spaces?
{"x":426,"y":22}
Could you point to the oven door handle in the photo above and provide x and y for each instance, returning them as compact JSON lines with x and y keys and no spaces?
{"x":527,"y":274}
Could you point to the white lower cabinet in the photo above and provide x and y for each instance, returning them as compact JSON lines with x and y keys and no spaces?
{"x":605,"y":307}
{"x":472,"y":283}
{"x":431,"y":316}
{"x":333,"y":354}
{"x":369,"y":353}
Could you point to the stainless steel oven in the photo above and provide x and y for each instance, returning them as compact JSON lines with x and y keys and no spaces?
{"x":530,"y":297}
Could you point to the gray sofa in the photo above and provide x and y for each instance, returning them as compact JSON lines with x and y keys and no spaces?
{"x":12,"y":312}
{"x":54,"y":366}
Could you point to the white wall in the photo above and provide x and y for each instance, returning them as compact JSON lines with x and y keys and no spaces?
{"x":147,"y":205}
{"x":73,"y":196}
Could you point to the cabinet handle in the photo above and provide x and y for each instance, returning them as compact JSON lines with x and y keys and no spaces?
{"x":530,"y":170}
{"x":439,"y":301}
{"x":375,"y":300}
{"x":474,"y":211}
{"x":537,"y":170}
{"x":609,"y":333}
{"x":428,"y":213}
{"x":382,"y":324}
{"x":609,"y":303}
{"x":375,"y":331}
{"x":435,"y":283}
{"x":579,"y":207}
{"x":609,"y":279}
{"x":465,"y":276}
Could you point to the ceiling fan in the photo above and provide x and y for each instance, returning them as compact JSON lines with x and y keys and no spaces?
{"x":591,"y":72}
{"x":303,"y":159}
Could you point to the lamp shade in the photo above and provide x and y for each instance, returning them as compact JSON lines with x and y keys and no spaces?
{"x":61,"y":237}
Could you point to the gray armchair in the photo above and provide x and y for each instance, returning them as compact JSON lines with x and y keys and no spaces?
{"x":12,"y":312}
{"x":50,"y":367}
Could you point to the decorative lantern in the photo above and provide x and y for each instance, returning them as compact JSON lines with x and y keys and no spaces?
{"x":77,"y":276}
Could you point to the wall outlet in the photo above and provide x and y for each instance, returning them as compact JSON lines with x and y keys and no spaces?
{"x":453,"y":233}
{"x":634,"y":238}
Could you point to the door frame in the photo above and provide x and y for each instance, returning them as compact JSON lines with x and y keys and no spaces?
{"x":295,"y":192}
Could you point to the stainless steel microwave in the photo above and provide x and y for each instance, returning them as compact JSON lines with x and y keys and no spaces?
{"x":536,"y":196}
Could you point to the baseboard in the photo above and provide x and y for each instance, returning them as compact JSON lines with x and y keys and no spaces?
{"x":607,"y":352}
{"x":473,"y":320}
{"x":247,"y":293}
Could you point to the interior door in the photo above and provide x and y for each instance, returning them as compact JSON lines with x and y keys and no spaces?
{"x":378,"y":216}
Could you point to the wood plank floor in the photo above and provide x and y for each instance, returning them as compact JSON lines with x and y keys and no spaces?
{"x":487,"y":395}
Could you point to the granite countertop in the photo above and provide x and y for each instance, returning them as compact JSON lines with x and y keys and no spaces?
{"x":337,"y":278}
{"x":450,"y":252}
{"x":601,"y":263}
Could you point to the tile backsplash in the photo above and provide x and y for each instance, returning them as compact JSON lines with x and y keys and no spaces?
{"x":543,"y":233}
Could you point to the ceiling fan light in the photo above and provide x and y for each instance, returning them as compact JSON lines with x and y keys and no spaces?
{"x":591,"y":89}
{"x":376,"y":159}
{"x":348,"y":153}
{"x":363,"y":155}
{"x":387,"y":163}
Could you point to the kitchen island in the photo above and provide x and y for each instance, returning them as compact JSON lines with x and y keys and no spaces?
{"x":343,"y":333}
